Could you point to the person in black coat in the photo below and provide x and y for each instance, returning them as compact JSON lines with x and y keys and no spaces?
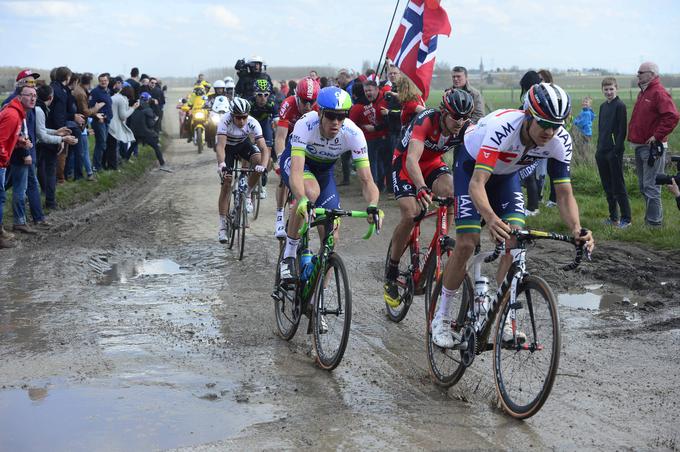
{"x":142,"y":122}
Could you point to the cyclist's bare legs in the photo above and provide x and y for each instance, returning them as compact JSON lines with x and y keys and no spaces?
{"x":255,"y":160}
{"x":456,"y":267}
{"x":312,"y":191}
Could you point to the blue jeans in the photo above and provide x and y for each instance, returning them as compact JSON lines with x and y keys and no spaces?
{"x":2,"y":191}
{"x":101,"y":133}
{"x":380,"y":165}
{"x":85,"y":153}
{"x":25,"y":182}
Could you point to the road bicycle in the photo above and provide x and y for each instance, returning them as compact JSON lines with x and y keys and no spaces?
{"x":237,"y":220}
{"x":524,"y":367}
{"x":416,"y":268}
{"x":322,"y":291}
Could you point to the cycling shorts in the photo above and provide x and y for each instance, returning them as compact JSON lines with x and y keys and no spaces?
{"x":329,"y":198}
{"x":402,"y":185}
{"x":245,"y":150}
{"x":504,"y":193}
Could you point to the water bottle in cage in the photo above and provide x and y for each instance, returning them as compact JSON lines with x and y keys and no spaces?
{"x":481,"y":299}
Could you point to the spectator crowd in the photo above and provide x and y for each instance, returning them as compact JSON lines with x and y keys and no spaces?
{"x":44,"y":130}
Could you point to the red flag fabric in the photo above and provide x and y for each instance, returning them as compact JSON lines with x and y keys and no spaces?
{"x":414,"y":46}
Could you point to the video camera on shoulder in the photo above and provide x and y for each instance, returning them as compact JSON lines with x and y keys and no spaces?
{"x":665,"y":179}
{"x":241,"y":66}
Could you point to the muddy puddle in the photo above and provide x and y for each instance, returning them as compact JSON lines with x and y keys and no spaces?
{"x":122,"y":272}
{"x":605,"y":303}
{"x":140,"y":417}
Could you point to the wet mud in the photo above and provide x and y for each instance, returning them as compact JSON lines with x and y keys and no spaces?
{"x":130,"y":327}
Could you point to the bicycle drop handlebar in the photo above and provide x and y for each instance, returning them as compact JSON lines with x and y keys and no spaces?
{"x":527,"y":235}
{"x":330,"y":214}
{"x":435,"y":199}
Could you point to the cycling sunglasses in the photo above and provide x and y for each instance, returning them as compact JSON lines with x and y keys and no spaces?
{"x":547,"y":124}
{"x":458,"y":117}
{"x":331,"y":115}
{"x":262,"y":94}
{"x":241,"y":117}
{"x":306,"y":102}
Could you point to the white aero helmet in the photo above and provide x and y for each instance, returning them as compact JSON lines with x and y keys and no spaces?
{"x":219,"y":84}
{"x":221,"y":104}
{"x":240,"y":106}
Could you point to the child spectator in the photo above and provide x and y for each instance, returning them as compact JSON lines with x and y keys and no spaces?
{"x":582,"y":131}
{"x":609,"y":155}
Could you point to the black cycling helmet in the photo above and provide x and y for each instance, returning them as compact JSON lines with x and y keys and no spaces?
{"x":240,"y":107}
{"x":458,"y":103}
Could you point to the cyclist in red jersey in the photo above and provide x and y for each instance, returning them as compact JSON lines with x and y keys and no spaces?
{"x":418,"y":170}
{"x":292,"y":109}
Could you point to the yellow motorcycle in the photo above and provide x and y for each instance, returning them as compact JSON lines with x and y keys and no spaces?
{"x":199,"y":120}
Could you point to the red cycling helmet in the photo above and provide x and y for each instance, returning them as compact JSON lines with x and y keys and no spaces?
{"x":307,"y":90}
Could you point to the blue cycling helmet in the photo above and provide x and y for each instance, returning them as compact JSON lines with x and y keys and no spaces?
{"x":334,"y":98}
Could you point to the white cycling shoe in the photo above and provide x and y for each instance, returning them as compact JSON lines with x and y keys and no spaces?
{"x":222,"y":236}
{"x":280,"y":230}
{"x":263,"y":193}
{"x":249,"y":205}
{"x":441,"y":332}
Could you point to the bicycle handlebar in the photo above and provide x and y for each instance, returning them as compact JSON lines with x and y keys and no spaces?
{"x":374,"y":227}
{"x":439,"y":200}
{"x":527,"y":235}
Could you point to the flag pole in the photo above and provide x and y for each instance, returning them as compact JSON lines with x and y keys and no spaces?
{"x":389,"y":30}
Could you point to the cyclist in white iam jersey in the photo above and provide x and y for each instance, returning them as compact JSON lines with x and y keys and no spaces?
{"x":486,"y":185}
{"x":317,"y":142}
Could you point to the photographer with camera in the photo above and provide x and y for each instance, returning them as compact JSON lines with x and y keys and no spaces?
{"x":654,"y":118}
{"x":248,"y":73}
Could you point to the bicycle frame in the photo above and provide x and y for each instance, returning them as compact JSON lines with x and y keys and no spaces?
{"x":419,"y":268}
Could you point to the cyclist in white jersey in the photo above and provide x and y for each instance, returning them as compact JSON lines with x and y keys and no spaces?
{"x":317,"y":142}
{"x":486,"y":185}
{"x":234,"y":134}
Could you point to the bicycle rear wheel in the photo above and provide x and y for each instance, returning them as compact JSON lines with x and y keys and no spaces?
{"x":332,"y":313}
{"x":525,"y":372}
{"x":404,"y":283}
{"x":286,"y":303}
{"x":446,"y":365}
{"x":243,"y":225}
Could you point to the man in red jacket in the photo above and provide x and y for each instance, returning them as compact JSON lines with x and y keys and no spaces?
{"x":372,"y":119}
{"x":654,"y":118}
{"x":13,"y":132}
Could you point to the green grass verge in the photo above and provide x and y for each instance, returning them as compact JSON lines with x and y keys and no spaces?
{"x":72,"y":193}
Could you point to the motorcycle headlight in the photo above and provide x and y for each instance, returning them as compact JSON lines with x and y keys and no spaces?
{"x":199,"y":115}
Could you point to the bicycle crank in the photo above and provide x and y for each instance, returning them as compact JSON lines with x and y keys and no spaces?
{"x":468,"y":354}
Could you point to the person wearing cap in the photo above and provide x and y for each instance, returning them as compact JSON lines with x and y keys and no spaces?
{"x":13,"y":135}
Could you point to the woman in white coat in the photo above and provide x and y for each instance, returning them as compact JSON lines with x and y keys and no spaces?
{"x":120,"y":104}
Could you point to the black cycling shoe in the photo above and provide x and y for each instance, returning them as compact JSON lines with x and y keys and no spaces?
{"x":288,"y":270}
{"x":448,"y":242}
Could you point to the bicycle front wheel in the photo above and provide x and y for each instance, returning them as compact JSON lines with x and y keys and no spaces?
{"x":243,"y":224}
{"x":404,"y":285}
{"x":525,"y":368}
{"x":446,"y":364}
{"x":286,"y":303}
{"x":256,"y":198}
{"x":332,"y":313}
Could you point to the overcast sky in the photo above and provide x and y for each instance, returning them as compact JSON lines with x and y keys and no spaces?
{"x":183,"y":37}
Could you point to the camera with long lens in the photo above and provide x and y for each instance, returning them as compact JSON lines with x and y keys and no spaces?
{"x":665,"y":179}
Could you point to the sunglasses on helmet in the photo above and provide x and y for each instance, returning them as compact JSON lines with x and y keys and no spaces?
{"x":334,"y":115}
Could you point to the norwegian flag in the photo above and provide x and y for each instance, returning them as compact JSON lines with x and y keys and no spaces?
{"x":414,"y":46}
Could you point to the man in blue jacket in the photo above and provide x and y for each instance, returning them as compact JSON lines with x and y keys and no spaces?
{"x":100,"y":93}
